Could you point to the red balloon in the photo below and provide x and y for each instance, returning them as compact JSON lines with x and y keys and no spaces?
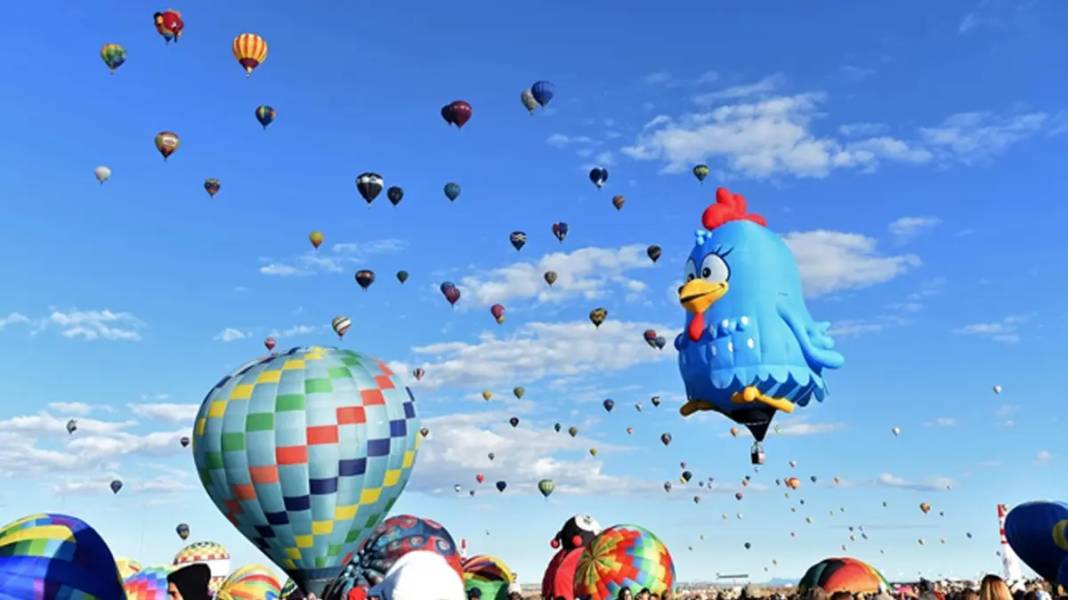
{"x":269,"y":343}
{"x":479,"y":478}
{"x":169,"y":24}
{"x":457,"y":113}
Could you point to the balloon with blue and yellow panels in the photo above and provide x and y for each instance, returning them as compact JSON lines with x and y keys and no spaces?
{"x":305,"y":452}
{"x":1038,"y":533}
{"x":750,"y":347}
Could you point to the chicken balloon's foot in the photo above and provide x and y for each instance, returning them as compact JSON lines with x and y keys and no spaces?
{"x":693,"y":406}
{"x":752,"y":394}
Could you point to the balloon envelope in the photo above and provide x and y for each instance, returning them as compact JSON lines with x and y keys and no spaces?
{"x":1038,"y":533}
{"x":47,"y":556}
{"x":265,"y":115}
{"x":325,"y":439}
{"x":843,"y":575}
{"x":624,"y":556}
{"x":250,"y":582}
{"x":488,"y":574}
{"x":543,"y":91}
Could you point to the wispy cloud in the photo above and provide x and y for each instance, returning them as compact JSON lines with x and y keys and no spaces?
{"x":942,"y":422}
{"x":832,"y":261}
{"x":934,"y":484}
{"x":1043,"y":457}
{"x":296,"y":331}
{"x":657,"y":78}
{"x":13,"y":319}
{"x":96,"y":325}
{"x":862,"y":129}
{"x":166,"y":411}
{"x":1006,"y":330}
{"x":758,"y":88}
{"x":536,"y":351}
{"x":339,"y":258}
{"x":975,"y":137}
{"x":70,"y":408}
{"x":907,"y":228}
{"x":230,"y":335}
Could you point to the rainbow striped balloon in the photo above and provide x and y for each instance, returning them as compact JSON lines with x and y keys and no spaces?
{"x":46,"y":556}
{"x":149,"y":583}
{"x":250,"y":582}
{"x":624,"y":556}
{"x":843,"y":575}
{"x":127,"y":566}
{"x":489,"y":575}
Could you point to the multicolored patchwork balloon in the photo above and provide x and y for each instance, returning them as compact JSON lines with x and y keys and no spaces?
{"x":843,"y":575}
{"x":216,"y":556}
{"x":46,"y":556}
{"x":250,"y":582}
{"x":148,"y":584}
{"x":489,"y":575}
{"x":392,"y":539}
{"x":305,"y":452}
{"x":623,"y":556}
{"x":127,"y":567}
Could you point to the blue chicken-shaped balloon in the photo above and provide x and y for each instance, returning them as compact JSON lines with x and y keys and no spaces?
{"x":750,"y":347}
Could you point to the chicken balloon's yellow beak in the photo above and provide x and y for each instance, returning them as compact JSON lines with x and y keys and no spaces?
{"x":697,"y":295}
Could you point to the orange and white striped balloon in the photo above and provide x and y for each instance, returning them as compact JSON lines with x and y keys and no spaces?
{"x":250,"y":50}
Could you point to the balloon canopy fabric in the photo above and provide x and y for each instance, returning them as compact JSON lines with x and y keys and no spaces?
{"x":47,"y":556}
{"x":250,"y":582}
{"x":1038,"y":533}
{"x":216,"y":556}
{"x":392,"y":539}
{"x":624,"y":556}
{"x":420,"y":575}
{"x":489,"y":575}
{"x":127,"y":566}
{"x":559,"y":578}
{"x":149,"y":583}
{"x":305,"y":452}
{"x":843,"y":575}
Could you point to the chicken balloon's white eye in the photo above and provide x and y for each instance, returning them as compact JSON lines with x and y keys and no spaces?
{"x":714,"y":268}
{"x":690,"y":273}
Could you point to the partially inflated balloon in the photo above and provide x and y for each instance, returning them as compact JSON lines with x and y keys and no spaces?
{"x":113,"y":56}
{"x":843,"y":575}
{"x":624,"y":556}
{"x":250,"y":50}
{"x":265,"y":115}
{"x":212,"y":554}
{"x":127,"y":566}
{"x":307,"y":500}
{"x":250,"y":582}
{"x":150,"y":583}
{"x":46,"y":556}
{"x":489,"y":575}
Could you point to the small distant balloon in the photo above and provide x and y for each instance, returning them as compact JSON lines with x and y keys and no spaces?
{"x":617,"y":201}
{"x":457,"y":112}
{"x":340,"y":325}
{"x":550,"y":277}
{"x":113,"y":56}
{"x":316,"y":238}
{"x":653,"y":252}
{"x":557,"y":427}
{"x":182,"y":530}
{"x":365,"y":278}
{"x":599,"y":175}
{"x":452,"y":190}
{"x":402,"y":276}
{"x":115,"y":485}
{"x":166,"y":143}
{"x":572,"y":431}
{"x":514,"y":422}
{"x":395,"y":194}
{"x":250,"y":50}
{"x":102,"y":173}
{"x":518,"y":392}
{"x":546,"y":487}
{"x":184,"y":441}
{"x":543,"y":92}
{"x":212,"y":186}
{"x":608,"y":404}
{"x":700,"y":172}
{"x":425,"y":432}
{"x":169,"y":24}
{"x":997,"y":389}
{"x":655,"y":400}
{"x":269,"y":343}
{"x":265,"y":115}
{"x":501,"y":485}
{"x":518,"y":239}
{"x":487,"y":395}
{"x":598,"y":315}
{"x":650,"y":337}
{"x":896,"y":431}
{"x":369,"y":185}
{"x":418,"y":373}
{"x":665,"y":438}
{"x":72,"y":426}
{"x":451,"y":292}
{"x":560,"y":230}
{"x":527,"y":98}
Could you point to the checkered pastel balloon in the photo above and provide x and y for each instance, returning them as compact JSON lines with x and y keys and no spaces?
{"x":305,"y":452}
{"x":624,"y":556}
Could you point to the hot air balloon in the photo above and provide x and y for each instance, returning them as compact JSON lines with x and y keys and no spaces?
{"x":518,"y":392}
{"x":572,"y":431}
{"x":738,"y":496}
{"x":550,"y":277}
{"x":166,"y":143}
{"x":72,"y":426}
{"x":527,"y":98}
{"x":452,"y":190}
{"x":997,"y":389}
{"x":487,"y":574}
{"x":598,"y":175}
{"x":365,"y":278}
{"x":395,"y":194}
{"x":557,"y":427}
{"x":593,"y":451}
{"x":617,"y":201}
{"x":250,"y":582}
{"x":182,"y":530}
{"x":609,"y":404}
{"x":265,"y":115}
{"x":451,"y":292}
{"x":102,"y":174}
{"x":486,"y":395}
{"x":686,"y":476}
{"x":457,"y":113}
{"x":653,"y":252}
{"x":843,"y":575}
{"x":518,"y":239}
{"x":402,"y":276}
{"x":655,"y":400}
{"x":113,"y":56}
{"x":270,"y":343}
{"x":418,"y":373}
{"x":316,"y":238}
{"x":340,"y":324}
{"x":480,"y":478}
{"x":250,"y":50}
{"x":374,"y":456}
{"x":925,"y":507}
{"x":56,"y":556}
{"x":212,"y":186}
{"x":667,"y":486}
{"x":425,"y":432}
{"x":700,"y":172}
{"x":543,"y":92}
{"x":598,"y":315}
{"x":127,"y":566}
{"x":734,"y":432}
{"x":169,"y":24}
{"x":546,"y":487}
{"x":514,"y":422}
{"x":184,"y":441}
{"x":115,"y":486}
{"x":369,"y":185}
{"x":660,"y":342}
{"x":650,"y":337}
{"x":501,"y":485}
{"x":896,"y":431}
{"x":665,"y":438}
{"x":793,"y":483}
{"x":215,"y":556}
{"x":560,"y":230}
{"x":497,"y":311}
{"x":624,"y":556}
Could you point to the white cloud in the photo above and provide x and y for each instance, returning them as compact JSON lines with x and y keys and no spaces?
{"x":96,"y":324}
{"x":296,"y":330}
{"x":230,"y":335}
{"x":538,"y":350}
{"x":759,"y":88}
{"x":943,"y":422}
{"x":13,"y":319}
{"x":1043,"y":457}
{"x":862,"y":129}
{"x":559,"y":140}
{"x":935,"y":484}
{"x":800,"y":428}
{"x":1006,"y":330}
{"x":166,"y":411}
{"x":71,"y":408}
{"x":341,"y":257}
{"x":978,"y":136}
{"x":46,"y":423}
{"x":458,"y":445}
{"x":587,"y":273}
{"x":906,"y":228}
{"x":832,"y":261}
{"x":657,"y":78}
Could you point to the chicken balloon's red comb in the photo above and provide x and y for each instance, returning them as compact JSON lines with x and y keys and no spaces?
{"x":728,"y":207}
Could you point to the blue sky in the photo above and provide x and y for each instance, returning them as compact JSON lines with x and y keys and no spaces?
{"x":912,"y":155}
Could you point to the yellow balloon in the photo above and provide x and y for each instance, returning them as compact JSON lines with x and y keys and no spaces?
{"x":486,"y":395}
